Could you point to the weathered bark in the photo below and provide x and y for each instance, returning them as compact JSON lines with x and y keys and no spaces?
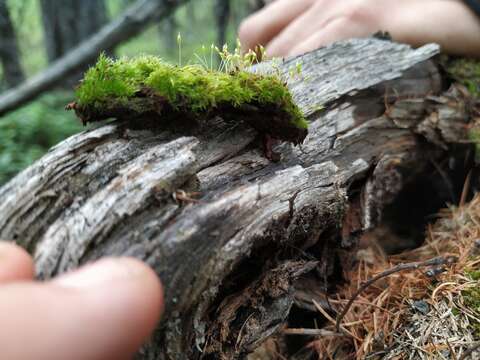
{"x":222,"y":16}
{"x":232,"y":260}
{"x":129,"y":24}
{"x":9,"y":54}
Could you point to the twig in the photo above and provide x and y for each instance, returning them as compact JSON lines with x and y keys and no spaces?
{"x":307,"y":332}
{"x":401,"y":267}
{"x":466,"y":189}
{"x":452,"y":351}
{"x":332,"y":320}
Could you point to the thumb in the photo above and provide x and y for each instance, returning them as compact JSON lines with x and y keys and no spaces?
{"x":103,"y":311}
{"x":15,"y":263}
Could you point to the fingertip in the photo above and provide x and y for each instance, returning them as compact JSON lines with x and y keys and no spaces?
{"x":151,"y":282}
{"x":105,"y":310}
{"x":262,"y":27}
{"x":15,"y":263}
{"x":126,"y":293}
{"x":246,"y":34}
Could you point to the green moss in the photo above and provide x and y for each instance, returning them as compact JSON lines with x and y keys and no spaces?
{"x":193,"y":88}
{"x":465,"y":71}
{"x":117,"y":80}
{"x":473,"y":274}
{"x":28,"y":132}
{"x":471,"y":298}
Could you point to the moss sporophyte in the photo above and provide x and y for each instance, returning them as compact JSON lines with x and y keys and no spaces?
{"x":148,"y":87}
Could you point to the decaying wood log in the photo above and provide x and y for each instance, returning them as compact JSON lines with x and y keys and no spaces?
{"x":233,"y":258}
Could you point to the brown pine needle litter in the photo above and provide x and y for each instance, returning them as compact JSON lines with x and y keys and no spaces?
{"x":424,"y":304}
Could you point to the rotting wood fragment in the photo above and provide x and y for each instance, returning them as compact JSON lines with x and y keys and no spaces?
{"x":245,"y":319}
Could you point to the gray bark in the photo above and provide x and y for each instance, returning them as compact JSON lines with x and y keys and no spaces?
{"x":232,"y":262}
{"x":129,"y":24}
{"x":9,"y":53}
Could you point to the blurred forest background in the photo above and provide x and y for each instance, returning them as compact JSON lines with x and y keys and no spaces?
{"x":35,"y":33}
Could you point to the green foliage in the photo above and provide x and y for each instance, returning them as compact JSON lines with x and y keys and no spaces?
{"x":473,"y":274}
{"x":30,"y":131}
{"x":193,"y":88}
{"x":27,"y":20}
{"x":465,"y":71}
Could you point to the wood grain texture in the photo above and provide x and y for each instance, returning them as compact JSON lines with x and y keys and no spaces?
{"x":229,"y":261}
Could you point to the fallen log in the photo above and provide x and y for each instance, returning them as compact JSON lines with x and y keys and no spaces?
{"x":234,"y":259}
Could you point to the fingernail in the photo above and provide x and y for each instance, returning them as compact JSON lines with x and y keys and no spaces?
{"x":102,"y":272}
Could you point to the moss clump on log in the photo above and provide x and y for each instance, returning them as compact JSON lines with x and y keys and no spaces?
{"x":146,"y":86}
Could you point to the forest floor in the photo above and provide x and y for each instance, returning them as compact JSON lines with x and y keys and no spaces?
{"x":425,"y":313}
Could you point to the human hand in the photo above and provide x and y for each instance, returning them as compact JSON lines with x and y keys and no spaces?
{"x":105,"y":310}
{"x":293,"y":27}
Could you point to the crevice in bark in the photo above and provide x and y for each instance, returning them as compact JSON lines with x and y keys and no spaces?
{"x":439,"y":184}
{"x":242,"y":295}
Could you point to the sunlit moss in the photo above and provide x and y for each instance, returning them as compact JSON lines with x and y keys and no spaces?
{"x":191,"y":88}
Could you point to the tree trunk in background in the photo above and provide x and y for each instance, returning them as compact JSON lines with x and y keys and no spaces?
{"x":238,"y":12}
{"x":262,"y":239}
{"x":168,"y":34}
{"x":9,"y":54}
{"x":66,"y":23}
{"x":222,"y":12}
{"x":128,"y":24}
